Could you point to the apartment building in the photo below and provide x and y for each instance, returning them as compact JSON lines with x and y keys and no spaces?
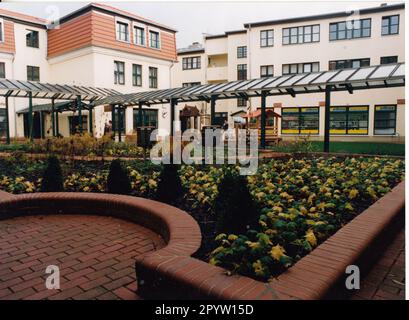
{"x":98,"y":46}
{"x":323,"y":42}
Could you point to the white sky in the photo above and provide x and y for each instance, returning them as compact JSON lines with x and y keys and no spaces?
{"x":194,"y":18}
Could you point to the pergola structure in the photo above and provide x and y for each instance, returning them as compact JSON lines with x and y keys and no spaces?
{"x":350,"y":80}
{"x":73,"y":97}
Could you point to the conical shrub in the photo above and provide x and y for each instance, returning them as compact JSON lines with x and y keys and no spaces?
{"x":170,"y":189}
{"x":234,"y":207}
{"x":52,"y":176}
{"x":118,"y":181}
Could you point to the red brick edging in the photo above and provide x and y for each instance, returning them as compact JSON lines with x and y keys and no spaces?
{"x":171,"y":272}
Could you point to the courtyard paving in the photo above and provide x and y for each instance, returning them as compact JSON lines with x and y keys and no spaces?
{"x":95,"y":256}
{"x":386,"y":279}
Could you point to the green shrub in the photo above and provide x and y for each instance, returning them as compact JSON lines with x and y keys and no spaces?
{"x":234,"y":206}
{"x":118,"y":181}
{"x":52,"y":177}
{"x":170,"y":189}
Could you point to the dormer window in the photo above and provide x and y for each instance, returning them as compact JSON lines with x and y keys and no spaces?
{"x":139,"y":36}
{"x":154,"y":39}
{"x":122,"y":31}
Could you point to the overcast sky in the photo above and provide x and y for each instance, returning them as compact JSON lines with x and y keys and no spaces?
{"x":193,"y":19}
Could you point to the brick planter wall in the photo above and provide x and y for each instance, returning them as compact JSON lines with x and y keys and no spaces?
{"x":172,"y":273}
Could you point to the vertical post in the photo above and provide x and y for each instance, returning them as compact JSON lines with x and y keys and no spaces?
{"x":53,"y":116}
{"x":113,"y":120}
{"x":7,"y":121}
{"x":173,"y":104}
{"x":140,"y":122}
{"x":57,"y":124}
{"x":90,"y":123}
{"x":79,"y":106}
{"x":327,"y":117}
{"x":30,"y":115}
{"x":41,"y":125}
{"x":212,"y":109}
{"x":263,"y":120}
{"x":120,"y":123}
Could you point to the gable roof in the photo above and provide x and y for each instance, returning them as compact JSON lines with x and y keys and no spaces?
{"x":23,"y":18}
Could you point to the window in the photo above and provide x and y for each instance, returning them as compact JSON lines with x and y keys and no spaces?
{"x":266,"y":38}
{"x":266,"y":71}
{"x":119,"y":72}
{"x":191,"y":63}
{"x":350,"y":29}
{"x":385,"y":120}
{"x":32,"y":39}
{"x":242,"y":52}
{"x":122,"y":31}
{"x":390,"y":25}
{"x":139,"y":34}
{"x":74,"y":123}
{"x":304,"y":34}
{"x":190,"y":84}
{"x":149,"y":118}
{"x":137,"y":75}
{"x":1,"y":31}
{"x":241,"y":102}
{"x":300,"y":120}
{"x":390,"y":59}
{"x":3,"y":123}
{"x":295,"y":68}
{"x":349,"y":120}
{"x":242,"y":72}
{"x":351,"y":63}
{"x":33,"y":73}
{"x":154,"y":39}
{"x":2,"y":70}
{"x":153,"y":77}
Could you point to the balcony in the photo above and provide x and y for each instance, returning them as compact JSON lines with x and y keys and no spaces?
{"x":216,"y":73}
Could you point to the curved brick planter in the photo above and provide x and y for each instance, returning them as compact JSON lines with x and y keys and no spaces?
{"x":171,"y":272}
{"x":167,"y":273}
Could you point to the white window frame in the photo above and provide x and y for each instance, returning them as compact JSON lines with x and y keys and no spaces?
{"x":116,"y":29}
{"x":149,"y":38}
{"x":2,"y":31}
{"x":141,"y":26}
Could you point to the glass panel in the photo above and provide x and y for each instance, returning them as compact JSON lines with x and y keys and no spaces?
{"x":400,"y":71}
{"x":342,"y":75}
{"x":325,"y":76}
{"x":362,"y":74}
{"x":383,"y":71}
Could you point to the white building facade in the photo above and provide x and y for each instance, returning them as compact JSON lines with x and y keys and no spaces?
{"x":339,"y":40}
{"x":97,"y":46}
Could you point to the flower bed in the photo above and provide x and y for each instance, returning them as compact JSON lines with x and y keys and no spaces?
{"x":301,"y":201}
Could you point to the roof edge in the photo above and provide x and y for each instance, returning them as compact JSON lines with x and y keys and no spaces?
{"x":325,"y":15}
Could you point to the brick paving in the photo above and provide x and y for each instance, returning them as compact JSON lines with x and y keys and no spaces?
{"x":386,"y":279}
{"x":95,"y":256}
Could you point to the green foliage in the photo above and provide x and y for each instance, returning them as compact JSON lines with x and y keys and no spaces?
{"x":170,"y":189}
{"x":118,"y":181}
{"x":234,"y":206}
{"x":52,"y":177}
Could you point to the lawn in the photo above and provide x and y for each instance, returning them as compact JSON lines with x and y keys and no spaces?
{"x":372,"y":148}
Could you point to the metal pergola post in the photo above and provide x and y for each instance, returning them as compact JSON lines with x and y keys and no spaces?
{"x":327,"y":117}
{"x":57,"y":124}
{"x":79,"y":106}
{"x":119,"y":123}
{"x":90,"y":123}
{"x":212,"y":109}
{"x":30,"y":115}
{"x":53,"y":116}
{"x":263,"y":120}
{"x":113,"y":120}
{"x":7,"y":120}
{"x":140,"y":122}
{"x":173,"y":104}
